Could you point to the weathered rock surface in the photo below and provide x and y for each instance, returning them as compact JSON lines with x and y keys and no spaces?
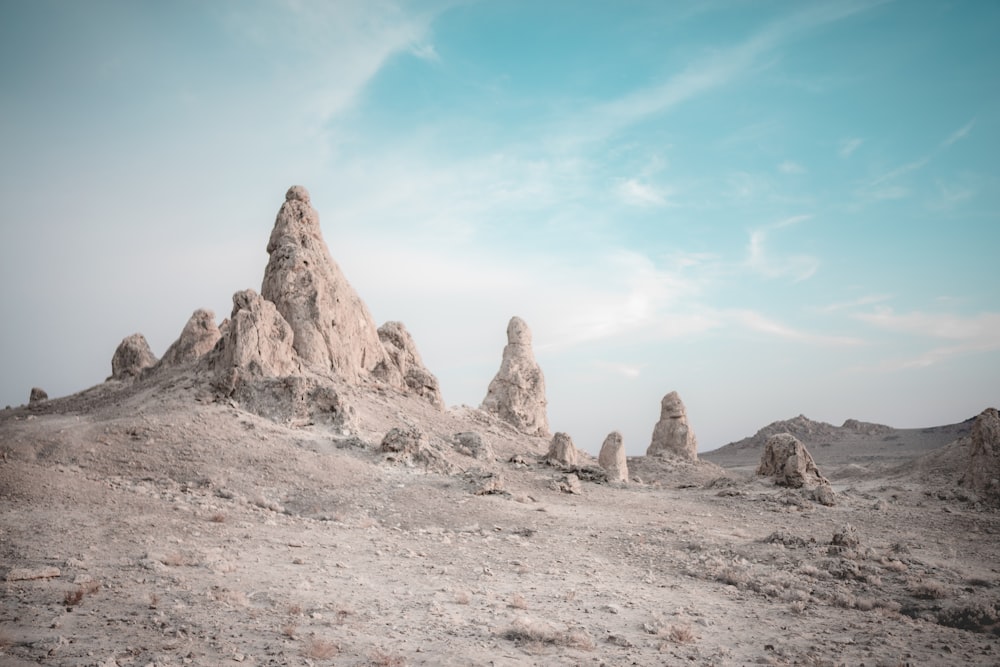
{"x":37,"y":395}
{"x":612,"y":458}
{"x":197,"y":339}
{"x":472,"y":444}
{"x":562,"y":451}
{"x":983,"y":475}
{"x":333,"y":329}
{"x":258,"y":343}
{"x":517,"y":392}
{"x":131,"y":358}
{"x":787,"y":461}
{"x":672,"y":435}
{"x":403,"y":441}
{"x":402,"y":366}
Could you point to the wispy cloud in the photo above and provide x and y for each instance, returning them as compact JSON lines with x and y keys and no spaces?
{"x":791,"y":167}
{"x":767,"y":263}
{"x":856,"y":303}
{"x":627,"y":370}
{"x":425,"y":52}
{"x":758,"y":322}
{"x":635,"y":193}
{"x":885,"y":186}
{"x":848,"y":146}
{"x":959,"y":134}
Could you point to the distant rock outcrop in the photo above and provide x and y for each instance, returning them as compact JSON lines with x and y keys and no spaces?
{"x":983,"y":475}
{"x":37,"y":395}
{"x":517,"y":393}
{"x":612,"y":458}
{"x":786,"y":460}
{"x":131,"y":358}
{"x":866,"y":428}
{"x":198,"y":337}
{"x":402,"y":366}
{"x":258,"y":343}
{"x":672,"y":435}
{"x":332,"y":327}
{"x":562,"y":451}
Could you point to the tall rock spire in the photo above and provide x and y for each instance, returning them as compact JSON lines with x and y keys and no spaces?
{"x":517,"y":393}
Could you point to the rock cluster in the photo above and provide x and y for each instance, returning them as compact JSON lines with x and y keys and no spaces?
{"x":786,"y":460}
{"x":257,"y":344}
{"x":562,"y":451}
{"x":672,"y":435}
{"x":517,"y":392}
{"x":131,"y":358}
{"x":197,"y":339}
{"x":612,"y":458}
{"x":983,"y":474}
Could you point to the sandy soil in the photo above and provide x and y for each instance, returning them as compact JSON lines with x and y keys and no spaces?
{"x":156,"y":525}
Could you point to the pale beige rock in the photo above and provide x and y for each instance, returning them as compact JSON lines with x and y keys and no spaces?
{"x":258,"y":343}
{"x":983,"y":474}
{"x":787,"y":461}
{"x":27,"y":574}
{"x":403,"y":367}
{"x":612,"y":458}
{"x":562,"y":451}
{"x":131,"y":358}
{"x":672,"y":435}
{"x":198,"y":337}
{"x":37,"y":395}
{"x":333,"y":330}
{"x":517,"y":392}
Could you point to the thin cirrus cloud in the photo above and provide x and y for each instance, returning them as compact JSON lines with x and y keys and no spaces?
{"x":959,"y":134}
{"x":848,"y":146}
{"x":636,"y":193}
{"x":762,"y":260}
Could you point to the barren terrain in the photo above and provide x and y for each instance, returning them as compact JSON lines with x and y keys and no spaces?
{"x":160,"y":524}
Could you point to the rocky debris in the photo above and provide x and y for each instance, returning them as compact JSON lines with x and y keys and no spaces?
{"x":27,"y":574}
{"x":612,"y":458}
{"x":131,"y":358}
{"x":197,"y":339}
{"x":517,"y":392}
{"x":257,"y":344}
{"x":672,"y":435}
{"x":486,"y":483}
{"x":562,"y":451}
{"x":296,"y":400}
{"x":983,"y":474}
{"x":403,"y":441}
{"x":846,"y":536}
{"x":787,"y":461}
{"x":37,"y":395}
{"x":333,"y":329}
{"x":472,"y":444}
{"x":568,"y":483}
{"x":402,"y":366}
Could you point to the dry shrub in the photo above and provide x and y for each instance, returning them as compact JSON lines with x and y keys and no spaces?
{"x":681,"y":634}
{"x":294,"y":609}
{"x":154,"y":600}
{"x":290,"y":630}
{"x":231,"y":598}
{"x":174,"y":559}
{"x":865,"y":604}
{"x":795,"y":595}
{"x":929,"y":589}
{"x":463,"y":597}
{"x":379,"y":658}
{"x":218,"y":517}
{"x":797,"y":607}
{"x":524,"y":631}
{"x":320,"y":649}
{"x":73,"y":597}
{"x":893,"y":565}
{"x":6,"y":638}
{"x":518,"y":601}
{"x":733,"y":576}
{"x":809,"y":570}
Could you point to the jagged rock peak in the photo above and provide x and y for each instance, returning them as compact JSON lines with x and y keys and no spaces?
{"x":672,"y":435}
{"x":198,"y":337}
{"x":403,"y":367}
{"x":131,"y":357}
{"x":517,"y":392}
{"x":983,"y":474}
{"x":333,"y":330}
{"x":612,"y":458}
{"x":257,"y":344}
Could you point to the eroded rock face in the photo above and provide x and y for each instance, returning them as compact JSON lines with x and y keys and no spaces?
{"x":131,"y":358}
{"x":258,"y":343}
{"x":983,"y":475}
{"x":333,"y":330}
{"x":787,"y":461}
{"x":198,"y":337}
{"x":402,"y":366}
{"x":37,"y":395}
{"x":672,"y":435}
{"x":517,"y":392}
{"x":612,"y":458}
{"x":562,"y":451}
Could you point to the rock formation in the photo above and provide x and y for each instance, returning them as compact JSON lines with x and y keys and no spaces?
{"x":672,"y":435}
{"x":258,"y":343}
{"x":333,"y":329}
{"x":37,"y":395}
{"x":402,"y":366}
{"x":131,"y":358}
{"x":787,"y":461}
{"x":517,"y":393}
{"x":198,"y":337}
{"x":983,"y":475}
{"x":562,"y":451}
{"x":612,"y":458}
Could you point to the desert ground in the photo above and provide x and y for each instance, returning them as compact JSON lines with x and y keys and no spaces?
{"x":156,"y":523}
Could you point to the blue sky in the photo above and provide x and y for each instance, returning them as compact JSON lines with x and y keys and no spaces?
{"x":773,"y":208}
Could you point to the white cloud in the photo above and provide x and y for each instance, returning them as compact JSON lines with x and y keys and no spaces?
{"x":769,"y":264}
{"x":626,"y":370}
{"x":861,"y":301}
{"x":959,"y":134}
{"x":790,"y":167}
{"x":848,"y":146}
{"x":755,"y":321}
{"x":425,"y":52}
{"x":636,"y":193}
{"x":983,"y":328}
